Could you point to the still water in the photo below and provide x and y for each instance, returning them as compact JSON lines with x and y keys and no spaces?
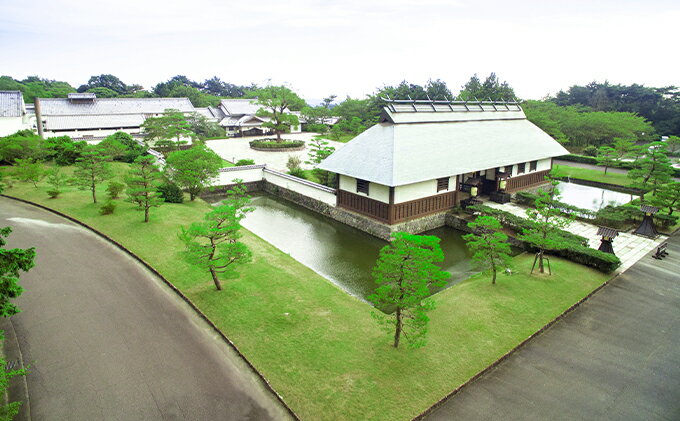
{"x":587,"y":197}
{"x":340,"y":253}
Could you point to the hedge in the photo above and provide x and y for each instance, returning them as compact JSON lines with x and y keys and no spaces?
{"x":573,"y":247}
{"x":273,"y":144}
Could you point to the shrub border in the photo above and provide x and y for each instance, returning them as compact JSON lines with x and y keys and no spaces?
{"x":175,"y":289}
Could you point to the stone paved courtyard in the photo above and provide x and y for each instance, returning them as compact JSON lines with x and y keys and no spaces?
{"x":235,"y":148}
{"x":628,"y":247}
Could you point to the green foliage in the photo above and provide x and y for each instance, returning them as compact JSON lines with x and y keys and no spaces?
{"x":294,"y":163}
{"x":23,"y":144}
{"x":661,"y":106}
{"x":492,"y":88}
{"x":673,"y":145}
{"x":318,"y":151}
{"x":405,"y":272}
{"x":193,"y":169}
{"x":579,"y":127}
{"x":652,"y":168}
{"x":213,"y":244}
{"x":590,"y":150}
{"x":91,"y":169}
{"x":108,"y":208}
{"x":316,"y":128}
{"x":8,"y":410}
{"x":579,"y":158}
{"x":298,"y":172}
{"x":29,"y":170}
{"x":274,"y":144}
{"x":607,"y":157}
{"x":12,"y":261}
{"x":109,"y":86}
{"x":203,"y":127}
{"x":170,"y":193}
{"x":63,"y":150}
{"x":276,"y":103}
{"x":114,"y":189}
{"x":131,"y":149}
{"x":200,"y":94}
{"x":489,"y":247}
{"x":172,"y":126}
{"x":668,"y":196}
{"x":34,"y":86}
{"x":242,"y":162}
{"x":143,"y":181}
{"x":56,"y":179}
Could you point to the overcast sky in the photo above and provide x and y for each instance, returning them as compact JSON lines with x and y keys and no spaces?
{"x":345,"y":47}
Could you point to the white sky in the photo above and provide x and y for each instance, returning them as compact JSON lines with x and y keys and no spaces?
{"x":345,"y":47}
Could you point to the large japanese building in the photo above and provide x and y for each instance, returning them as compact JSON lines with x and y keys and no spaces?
{"x":424,"y":157}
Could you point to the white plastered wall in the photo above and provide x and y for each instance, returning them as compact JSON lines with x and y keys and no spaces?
{"x":420,"y":190}
{"x":376,"y":191}
{"x":11,"y":125}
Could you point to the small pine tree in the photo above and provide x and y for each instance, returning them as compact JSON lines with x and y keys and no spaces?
{"x":29,"y":170}
{"x":213,"y":244}
{"x":489,"y":246}
{"x":91,"y":169}
{"x":143,"y":182}
{"x":56,"y":180}
{"x":114,"y":189}
{"x":405,"y":272}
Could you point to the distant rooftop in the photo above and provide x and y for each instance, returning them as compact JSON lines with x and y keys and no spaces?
{"x":11,"y":104}
{"x":408,"y":111}
{"x":82,"y":95}
{"x":108,"y":106}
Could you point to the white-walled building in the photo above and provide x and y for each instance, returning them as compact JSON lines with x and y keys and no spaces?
{"x":240,"y":118}
{"x":84,"y":116}
{"x":423,"y":157}
{"x":13,"y":114}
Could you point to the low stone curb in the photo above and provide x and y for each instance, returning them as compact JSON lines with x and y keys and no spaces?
{"x":293,"y":149}
{"x":486,"y":370}
{"x":175,"y":289}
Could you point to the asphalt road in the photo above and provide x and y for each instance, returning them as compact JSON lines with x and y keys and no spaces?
{"x":107,"y":340}
{"x":617,"y":357}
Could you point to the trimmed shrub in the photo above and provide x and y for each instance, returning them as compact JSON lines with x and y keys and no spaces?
{"x":114,"y":189}
{"x":590,"y":150}
{"x":298,"y":172}
{"x":273,"y":144}
{"x":578,"y":158}
{"x":242,"y":162}
{"x":171,"y":193}
{"x":53,"y":194}
{"x":108,"y":208}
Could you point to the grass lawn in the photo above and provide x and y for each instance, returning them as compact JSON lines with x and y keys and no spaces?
{"x":318,"y":346}
{"x":344,"y":137}
{"x":593,"y":175}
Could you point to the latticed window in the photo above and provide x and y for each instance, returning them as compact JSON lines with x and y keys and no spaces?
{"x":521,"y":168}
{"x":533,"y":165}
{"x":362,"y":186}
{"x":442,"y":184}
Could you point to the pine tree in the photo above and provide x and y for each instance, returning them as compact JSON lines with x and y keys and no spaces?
{"x":143,"y":181}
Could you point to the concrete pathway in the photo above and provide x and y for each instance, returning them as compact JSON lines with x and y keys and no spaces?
{"x":107,"y":340}
{"x":233,"y":149}
{"x":628,"y":247}
{"x":617,"y":357}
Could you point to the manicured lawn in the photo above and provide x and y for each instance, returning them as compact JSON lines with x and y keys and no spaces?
{"x":593,"y":175}
{"x":318,"y":346}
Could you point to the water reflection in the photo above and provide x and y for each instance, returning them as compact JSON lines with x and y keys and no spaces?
{"x":593,"y":198}
{"x":340,"y":253}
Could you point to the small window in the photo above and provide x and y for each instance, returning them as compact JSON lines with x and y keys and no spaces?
{"x":533,"y":165}
{"x":442,"y":184}
{"x":362,"y":186}
{"x":521,"y":168}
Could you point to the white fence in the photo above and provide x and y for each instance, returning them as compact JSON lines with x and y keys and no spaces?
{"x":253,"y":173}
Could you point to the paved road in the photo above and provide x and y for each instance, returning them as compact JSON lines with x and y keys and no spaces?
{"x":105,"y":339}
{"x":617,"y":357}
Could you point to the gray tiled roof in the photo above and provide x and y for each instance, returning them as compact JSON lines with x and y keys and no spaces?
{"x":108,"y":106}
{"x":82,"y":122}
{"x":11,"y":104}
{"x":236,"y":107}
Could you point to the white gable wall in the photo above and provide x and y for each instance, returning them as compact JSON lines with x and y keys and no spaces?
{"x":11,"y":125}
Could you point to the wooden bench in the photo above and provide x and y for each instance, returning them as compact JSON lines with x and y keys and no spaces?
{"x":661,"y":251}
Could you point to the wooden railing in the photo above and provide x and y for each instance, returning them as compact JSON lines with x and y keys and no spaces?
{"x":364,"y":205}
{"x":523,"y":181}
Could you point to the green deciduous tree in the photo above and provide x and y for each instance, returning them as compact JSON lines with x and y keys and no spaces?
{"x":492,"y":88}
{"x":276,"y":103}
{"x":668,"y":196}
{"x":489,"y":246}
{"x":652,"y":168}
{"x":404,"y":273}
{"x":547,"y":222}
{"x":193,"y":169}
{"x":29,"y":170}
{"x":91,"y":169}
{"x":143,"y":181}
{"x":171,"y":128}
{"x":213,"y":244}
